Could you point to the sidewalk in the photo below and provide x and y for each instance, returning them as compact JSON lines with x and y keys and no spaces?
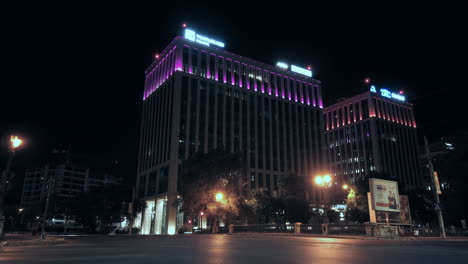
{"x":25,"y":239}
{"x":363,"y":237}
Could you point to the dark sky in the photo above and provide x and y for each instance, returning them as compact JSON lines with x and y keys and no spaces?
{"x":73,"y":74}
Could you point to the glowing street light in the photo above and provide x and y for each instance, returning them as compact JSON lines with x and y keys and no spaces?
{"x":319,"y":180}
{"x":201,"y":220}
{"x":15,"y":142}
{"x":345,"y":186}
{"x":219,"y":197}
{"x":323,"y":180}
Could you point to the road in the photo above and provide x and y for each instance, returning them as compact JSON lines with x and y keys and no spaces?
{"x":248,"y":248}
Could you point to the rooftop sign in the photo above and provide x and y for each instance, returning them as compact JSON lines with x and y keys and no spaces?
{"x":301,"y":71}
{"x":193,"y":36}
{"x":282,"y":65}
{"x":294,"y":68}
{"x":389,"y":94}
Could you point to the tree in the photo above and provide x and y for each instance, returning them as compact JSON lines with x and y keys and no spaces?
{"x":287,"y":204}
{"x":206,"y":174}
{"x":98,"y":208}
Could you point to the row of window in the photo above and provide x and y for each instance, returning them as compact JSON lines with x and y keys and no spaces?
{"x":160,"y":73}
{"x":229,"y":71}
{"x":360,"y":110}
{"x":397,"y":145}
{"x":358,"y":151}
{"x":156,"y":127}
{"x":154,"y":183}
{"x":347,"y":114}
{"x":393,"y":112}
{"x":275,"y":134}
{"x":264,"y":181}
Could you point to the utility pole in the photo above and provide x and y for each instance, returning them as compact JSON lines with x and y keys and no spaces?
{"x":3,"y":187}
{"x":431,"y":170}
{"x":130,"y":210}
{"x":44,"y":216}
{"x":15,"y":143}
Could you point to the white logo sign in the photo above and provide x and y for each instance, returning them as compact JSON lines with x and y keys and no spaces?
{"x":193,"y":36}
{"x":301,"y":71}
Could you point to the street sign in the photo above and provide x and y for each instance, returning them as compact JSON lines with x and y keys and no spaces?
{"x":436,"y":183}
{"x":438,"y":207}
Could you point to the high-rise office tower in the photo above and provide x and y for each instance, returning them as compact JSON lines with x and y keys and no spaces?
{"x":199,"y":97}
{"x":372,"y":131}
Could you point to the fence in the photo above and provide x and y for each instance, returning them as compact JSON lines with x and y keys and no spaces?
{"x":343,"y":229}
{"x":270,"y":228}
{"x":311,"y":229}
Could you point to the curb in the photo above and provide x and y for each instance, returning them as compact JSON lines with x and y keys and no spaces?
{"x":31,"y":242}
{"x":354,"y":237}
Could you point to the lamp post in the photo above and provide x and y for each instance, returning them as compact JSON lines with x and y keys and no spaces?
{"x":324,"y":182}
{"x":219,"y":198}
{"x":201,"y":220}
{"x":15,"y":142}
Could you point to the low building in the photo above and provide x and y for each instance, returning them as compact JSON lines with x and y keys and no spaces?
{"x":66,"y":180}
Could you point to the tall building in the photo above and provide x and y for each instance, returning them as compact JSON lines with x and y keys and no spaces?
{"x":372,"y":131}
{"x":199,"y":97}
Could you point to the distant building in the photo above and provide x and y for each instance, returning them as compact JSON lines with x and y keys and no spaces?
{"x":68,"y":181}
{"x":372,"y":131}
{"x":441,"y":159}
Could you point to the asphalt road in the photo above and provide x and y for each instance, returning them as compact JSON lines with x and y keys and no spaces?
{"x":248,"y":248}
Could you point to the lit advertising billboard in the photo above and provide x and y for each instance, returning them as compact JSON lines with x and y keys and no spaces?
{"x":384,"y":195}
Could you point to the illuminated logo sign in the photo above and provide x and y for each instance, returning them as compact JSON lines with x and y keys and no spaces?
{"x":301,"y":71}
{"x":282,"y":65}
{"x":193,"y":36}
{"x":386,"y":93}
{"x":398,"y":96}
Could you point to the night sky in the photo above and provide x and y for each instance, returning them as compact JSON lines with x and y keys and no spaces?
{"x":74,"y":74}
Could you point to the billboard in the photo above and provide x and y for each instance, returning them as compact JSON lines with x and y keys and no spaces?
{"x":384,"y":195}
{"x":401,"y":218}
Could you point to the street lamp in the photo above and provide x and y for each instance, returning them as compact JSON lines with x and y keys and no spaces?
{"x":345,"y":186}
{"x":201,"y":220}
{"x":219,"y":197}
{"x":15,"y":142}
{"x":324,"y":182}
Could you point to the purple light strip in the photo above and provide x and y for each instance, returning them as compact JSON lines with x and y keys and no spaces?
{"x":306,"y":92}
{"x":208,"y":68}
{"x":224,"y":68}
{"x":319,"y":95}
{"x":312,"y":90}
{"x":295,"y":90}
{"x":153,"y":83}
{"x":160,"y":73}
{"x":178,"y":62}
{"x":299,"y":85}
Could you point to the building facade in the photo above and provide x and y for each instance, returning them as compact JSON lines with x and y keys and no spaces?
{"x":199,"y":97}
{"x":66,"y":181}
{"x":441,"y":153}
{"x":372,"y":132}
